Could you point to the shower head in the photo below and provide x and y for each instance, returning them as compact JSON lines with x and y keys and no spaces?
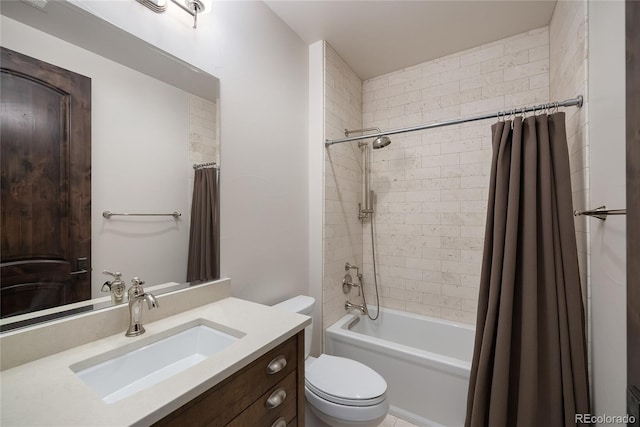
{"x":381,"y":142}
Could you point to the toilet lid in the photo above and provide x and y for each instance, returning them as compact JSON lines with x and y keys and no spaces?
{"x":345,"y":381}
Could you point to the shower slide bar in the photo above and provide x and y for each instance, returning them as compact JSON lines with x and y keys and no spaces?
{"x":601,"y":212}
{"x":109,"y":214}
{"x":578,"y":100}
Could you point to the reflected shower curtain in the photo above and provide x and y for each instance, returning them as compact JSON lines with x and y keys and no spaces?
{"x":530,"y":362}
{"x":203,"y":252}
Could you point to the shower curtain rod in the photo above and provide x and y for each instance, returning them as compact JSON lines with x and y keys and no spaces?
{"x":566,"y":103}
{"x":205,"y":165}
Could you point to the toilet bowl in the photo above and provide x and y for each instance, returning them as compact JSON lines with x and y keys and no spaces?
{"x":340,"y":392}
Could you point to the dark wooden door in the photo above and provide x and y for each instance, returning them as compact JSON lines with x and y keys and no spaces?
{"x":632,"y":13}
{"x":45,"y":152}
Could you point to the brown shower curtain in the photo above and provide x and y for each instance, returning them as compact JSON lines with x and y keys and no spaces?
{"x":530,"y":362}
{"x":203,"y":251}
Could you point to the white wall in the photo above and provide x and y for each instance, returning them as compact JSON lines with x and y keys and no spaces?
{"x":263,"y":69}
{"x":607,"y":187}
{"x":140,"y":165}
{"x":316,"y":187}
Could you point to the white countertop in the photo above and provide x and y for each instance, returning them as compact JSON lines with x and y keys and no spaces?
{"x":47,"y":392}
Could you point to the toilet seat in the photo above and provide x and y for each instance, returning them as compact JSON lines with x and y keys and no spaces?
{"x":345,"y":382}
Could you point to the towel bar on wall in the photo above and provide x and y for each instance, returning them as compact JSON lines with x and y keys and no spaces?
{"x":601,"y":212}
{"x":109,"y":214}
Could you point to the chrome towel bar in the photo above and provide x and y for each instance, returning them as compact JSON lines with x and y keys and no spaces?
{"x":109,"y":214}
{"x":601,"y":212}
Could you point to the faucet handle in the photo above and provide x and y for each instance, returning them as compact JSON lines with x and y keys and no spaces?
{"x":117,"y":274}
{"x":136,"y":281}
{"x":136,"y":288}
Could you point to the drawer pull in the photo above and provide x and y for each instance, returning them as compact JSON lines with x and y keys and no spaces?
{"x":280,"y":422}
{"x":276,"y":398}
{"x":276,"y":365}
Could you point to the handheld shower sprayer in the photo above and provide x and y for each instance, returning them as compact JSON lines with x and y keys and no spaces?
{"x":381,"y":141}
{"x":365,"y":211}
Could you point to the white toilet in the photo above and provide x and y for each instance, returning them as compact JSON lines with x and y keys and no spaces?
{"x":340,"y":392}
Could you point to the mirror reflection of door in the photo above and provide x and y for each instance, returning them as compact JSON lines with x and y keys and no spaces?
{"x":45,"y":152}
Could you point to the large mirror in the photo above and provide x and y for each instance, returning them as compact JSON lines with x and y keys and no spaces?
{"x":153,"y":117}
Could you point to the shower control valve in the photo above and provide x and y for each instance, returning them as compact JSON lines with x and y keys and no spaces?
{"x":348,"y":267}
{"x":347,"y":284}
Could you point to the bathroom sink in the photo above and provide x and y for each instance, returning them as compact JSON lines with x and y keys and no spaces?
{"x":129,"y":369}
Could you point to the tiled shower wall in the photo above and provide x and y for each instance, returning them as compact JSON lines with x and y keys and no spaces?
{"x":568,"y":52}
{"x":432,"y":186}
{"x":568,"y":78}
{"x":342,"y":234}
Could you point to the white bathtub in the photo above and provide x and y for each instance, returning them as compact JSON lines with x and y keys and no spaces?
{"x":425,"y":361}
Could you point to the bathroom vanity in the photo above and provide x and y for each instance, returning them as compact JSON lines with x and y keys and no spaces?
{"x":257,"y":380}
{"x":267,"y":392}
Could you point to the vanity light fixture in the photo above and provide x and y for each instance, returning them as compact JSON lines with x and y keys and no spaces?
{"x":158,"y":6}
{"x":192,"y":7}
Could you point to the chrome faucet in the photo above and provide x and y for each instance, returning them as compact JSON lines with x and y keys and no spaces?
{"x":136,"y":296}
{"x":115,"y":287}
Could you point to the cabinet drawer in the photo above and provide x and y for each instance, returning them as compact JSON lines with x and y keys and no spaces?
{"x":224,"y":401}
{"x":277,"y":403}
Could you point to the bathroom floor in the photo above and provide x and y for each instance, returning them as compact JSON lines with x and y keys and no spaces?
{"x":392,"y":421}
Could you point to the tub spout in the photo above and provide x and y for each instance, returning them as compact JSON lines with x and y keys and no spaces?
{"x":349,"y":305}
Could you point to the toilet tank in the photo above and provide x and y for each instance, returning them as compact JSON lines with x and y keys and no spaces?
{"x":302,"y":304}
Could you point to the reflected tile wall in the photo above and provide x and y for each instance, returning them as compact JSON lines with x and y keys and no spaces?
{"x":204,"y":139}
{"x":204,"y":144}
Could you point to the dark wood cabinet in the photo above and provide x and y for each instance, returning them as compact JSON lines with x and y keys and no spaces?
{"x":267,"y":392}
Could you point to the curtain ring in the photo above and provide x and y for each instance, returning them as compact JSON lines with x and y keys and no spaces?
{"x":555,"y":108}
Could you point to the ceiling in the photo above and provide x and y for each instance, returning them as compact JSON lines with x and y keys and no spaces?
{"x":377,"y":37}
